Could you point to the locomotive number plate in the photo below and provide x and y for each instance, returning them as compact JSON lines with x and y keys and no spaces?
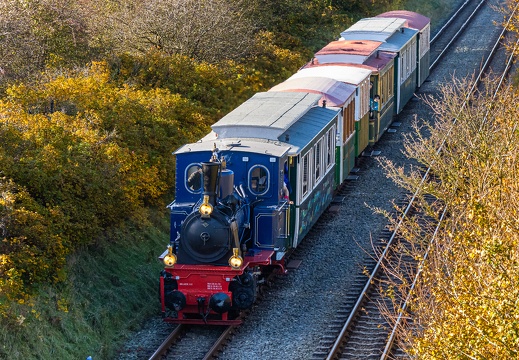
{"x":214,"y":286}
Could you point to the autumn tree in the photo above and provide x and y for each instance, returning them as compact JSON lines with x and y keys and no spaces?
{"x":205,"y":30}
{"x":59,"y":33}
{"x":215,"y":88}
{"x":81,"y":157}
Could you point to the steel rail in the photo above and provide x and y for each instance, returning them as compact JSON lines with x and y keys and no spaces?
{"x":392,"y":336}
{"x":447,"y":24}
{"x":167,"y":343}
{"x":218,"y":344}
{"x":458,"y":33}
{"x":507,"y":67}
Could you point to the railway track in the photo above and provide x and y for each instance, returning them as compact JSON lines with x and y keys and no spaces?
{"x":209,"y":341}
{"x":321,"y":346}
{"x":366,"y":333}
{"x":449,"y":33}
{"x":181,"y":338}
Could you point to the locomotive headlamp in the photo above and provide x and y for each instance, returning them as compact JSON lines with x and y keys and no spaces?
{"x":235,"y":261}
{"x":170,"y":259}
{"x":206,"y":209}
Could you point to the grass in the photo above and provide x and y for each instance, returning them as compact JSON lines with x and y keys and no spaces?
{"x":109,"y":293}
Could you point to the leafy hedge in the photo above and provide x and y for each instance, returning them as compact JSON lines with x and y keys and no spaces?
{"x":89,"y":151}
{"x":80,"y":155}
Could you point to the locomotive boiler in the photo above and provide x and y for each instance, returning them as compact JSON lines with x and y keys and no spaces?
{"x":210,"y":234}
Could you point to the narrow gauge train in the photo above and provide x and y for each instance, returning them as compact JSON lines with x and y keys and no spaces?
{"x":250,"y":190}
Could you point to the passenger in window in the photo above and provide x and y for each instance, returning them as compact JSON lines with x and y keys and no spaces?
{"x":376,"y":102}
{"x":373,"y":105}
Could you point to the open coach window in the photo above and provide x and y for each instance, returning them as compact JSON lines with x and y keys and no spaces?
{"x":194,"y":178}
{"x":259,"y":180}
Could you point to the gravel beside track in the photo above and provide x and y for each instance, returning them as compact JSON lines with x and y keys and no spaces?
{"x":288,"y":323}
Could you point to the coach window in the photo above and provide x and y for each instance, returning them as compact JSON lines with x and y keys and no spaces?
{"x":258,"y":180}
{"x":306,"y":180}
{"x":317,"y":160}
{"x":194,"y":178}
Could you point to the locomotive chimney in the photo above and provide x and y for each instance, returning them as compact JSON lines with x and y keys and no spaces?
{"x":210,"y":171}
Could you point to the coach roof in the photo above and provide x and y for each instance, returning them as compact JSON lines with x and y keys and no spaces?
{"x":265,"y":115}
{"x":414,"y":20}
{"x":377,"y":29}
{"x":336,"y":93}
{"x":347,"y":73}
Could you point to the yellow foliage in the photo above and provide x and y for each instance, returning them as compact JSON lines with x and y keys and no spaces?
{"x":466,"y":303}
{"x":80,"y":155}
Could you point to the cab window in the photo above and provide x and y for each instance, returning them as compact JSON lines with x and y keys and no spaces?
{"x":258,"y":180}
{"x":194,"y":178}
